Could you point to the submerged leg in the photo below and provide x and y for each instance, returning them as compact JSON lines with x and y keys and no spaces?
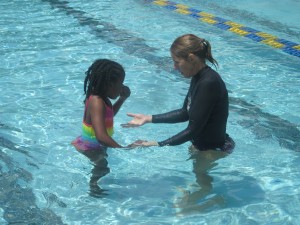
{"x":100,"y":169}
{"x":200,"y":199}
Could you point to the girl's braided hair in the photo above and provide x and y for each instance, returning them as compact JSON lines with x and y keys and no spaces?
{"x":100,"y":75}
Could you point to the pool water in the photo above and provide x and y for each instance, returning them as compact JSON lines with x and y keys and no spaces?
{"x":47,"y":45}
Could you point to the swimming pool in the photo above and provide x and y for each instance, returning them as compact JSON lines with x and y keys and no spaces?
{"x":46,"y":46}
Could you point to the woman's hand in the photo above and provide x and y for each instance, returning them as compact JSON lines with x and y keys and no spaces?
{"x":148,"y":143}
{"x":143,"y":143}
{"x":138,"y":120}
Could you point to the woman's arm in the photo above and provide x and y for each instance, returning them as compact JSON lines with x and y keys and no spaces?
{"x":203,"y":101}
{"x":138,"y":120}
{"x":175,"y":116}
{"x":180,"y":138}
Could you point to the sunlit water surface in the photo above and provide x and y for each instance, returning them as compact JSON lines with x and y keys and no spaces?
{"x":46,"y":46}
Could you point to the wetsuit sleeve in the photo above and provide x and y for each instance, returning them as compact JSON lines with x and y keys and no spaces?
{"x":175,"y":116}
{"x":203,"y":99}
{"x":178,"y":139}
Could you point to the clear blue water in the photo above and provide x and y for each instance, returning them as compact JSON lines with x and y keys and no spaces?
{"x":46,"y":46}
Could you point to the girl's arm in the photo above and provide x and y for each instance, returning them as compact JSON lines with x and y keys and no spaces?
{"x":97,"y":112}
{"x":125,"y":93}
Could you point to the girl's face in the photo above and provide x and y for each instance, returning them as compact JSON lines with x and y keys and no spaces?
{"x":115,"y":88}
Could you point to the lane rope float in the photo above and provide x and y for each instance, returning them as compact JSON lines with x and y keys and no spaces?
{"x":286,"y":46}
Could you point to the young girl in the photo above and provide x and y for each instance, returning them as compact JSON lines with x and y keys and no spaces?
{"x":104,"y":81}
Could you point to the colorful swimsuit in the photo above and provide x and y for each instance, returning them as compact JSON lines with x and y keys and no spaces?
{"x":87,"y":140}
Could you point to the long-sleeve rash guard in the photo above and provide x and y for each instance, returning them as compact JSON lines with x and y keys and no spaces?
{"x":205,"y":107}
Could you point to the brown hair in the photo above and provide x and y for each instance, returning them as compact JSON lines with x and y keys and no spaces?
{"x":190,"y":43}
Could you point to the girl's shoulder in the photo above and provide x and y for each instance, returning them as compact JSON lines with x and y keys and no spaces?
{"x":95,"y":99}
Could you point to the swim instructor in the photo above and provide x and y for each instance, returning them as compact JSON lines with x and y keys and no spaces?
{"x":205,"y":106}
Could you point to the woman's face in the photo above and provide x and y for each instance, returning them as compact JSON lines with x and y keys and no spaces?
{"x":184,"y":66}
{"x":115,"y":89}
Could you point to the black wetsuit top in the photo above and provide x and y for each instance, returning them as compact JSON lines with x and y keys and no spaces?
{"x":206,"y":109}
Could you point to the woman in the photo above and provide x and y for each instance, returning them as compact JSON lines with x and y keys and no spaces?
{"x":205,"y":105}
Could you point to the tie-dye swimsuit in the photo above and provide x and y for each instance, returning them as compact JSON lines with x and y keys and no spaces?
{"x":87,"y":140}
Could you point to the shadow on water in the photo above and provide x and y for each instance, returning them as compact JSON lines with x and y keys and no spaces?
{"x":240,"y":190}
{"x":209,"y":194}
{"x":265,"y":125}
{"x":16,"y":199}
{"x":200,"y":198}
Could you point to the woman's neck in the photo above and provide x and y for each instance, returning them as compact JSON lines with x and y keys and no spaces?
{"x":198,"y":67}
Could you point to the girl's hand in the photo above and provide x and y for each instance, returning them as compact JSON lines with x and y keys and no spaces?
{"x":138,"y":120}
{"x":125,"y":92}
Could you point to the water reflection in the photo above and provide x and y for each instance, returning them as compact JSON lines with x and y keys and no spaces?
{"x":17,"y":199}
{"x":100,"y":169}
{"x":201,"y":197}
{"x":230,"y":189}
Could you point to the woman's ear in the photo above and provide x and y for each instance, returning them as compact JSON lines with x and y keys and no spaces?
{"x":191,"y":57}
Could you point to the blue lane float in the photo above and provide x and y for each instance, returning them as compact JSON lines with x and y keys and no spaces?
{"x":286,"y":46}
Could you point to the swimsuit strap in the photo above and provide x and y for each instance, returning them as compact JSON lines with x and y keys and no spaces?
{"x":109,"y":120}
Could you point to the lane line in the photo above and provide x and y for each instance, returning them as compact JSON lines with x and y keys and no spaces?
{"x":286,"y":46}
